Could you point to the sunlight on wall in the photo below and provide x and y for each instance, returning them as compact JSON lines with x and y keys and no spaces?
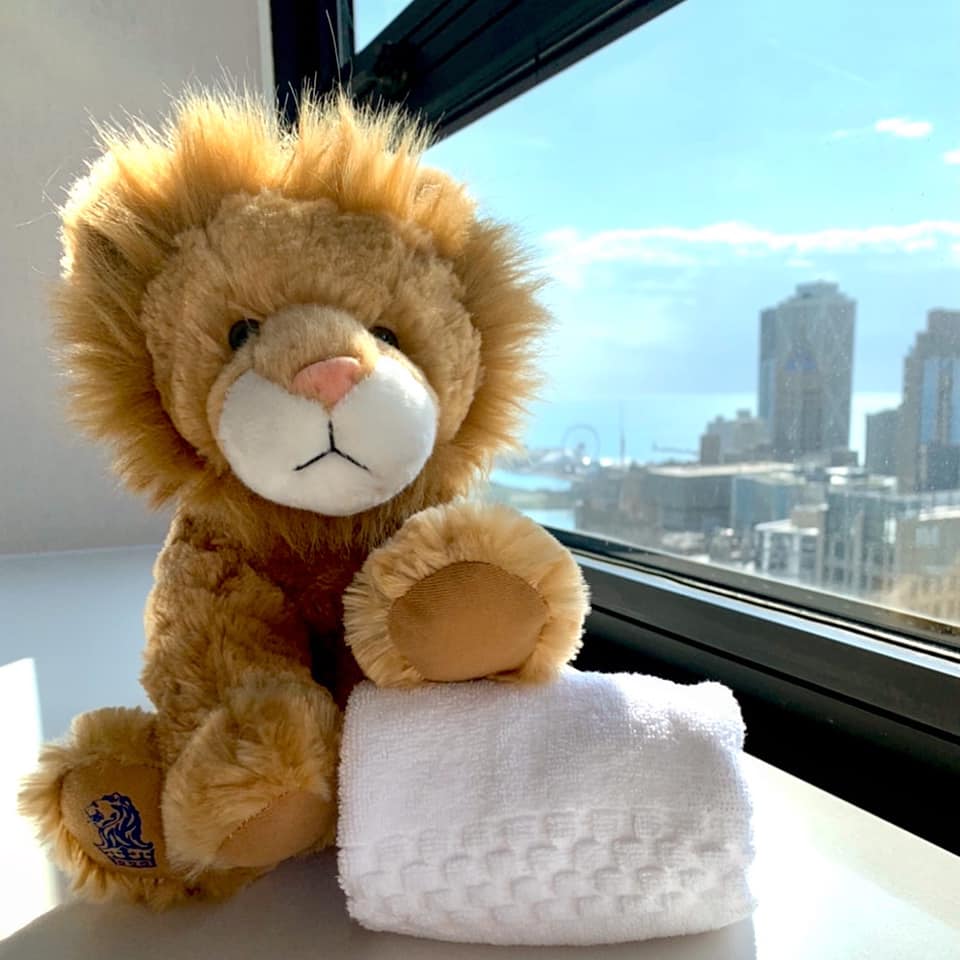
{"x":28,"y":886}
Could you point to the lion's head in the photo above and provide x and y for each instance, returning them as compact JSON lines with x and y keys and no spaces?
{"x":306,"y":330}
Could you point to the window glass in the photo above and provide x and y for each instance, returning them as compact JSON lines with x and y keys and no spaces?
{"x":371,"y":16}
{"x":750,"y":217}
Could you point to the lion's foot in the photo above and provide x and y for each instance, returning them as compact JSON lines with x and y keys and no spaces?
{"x":96,"y":801}
{"x":463,"y":592}
{"x":257,"y":782}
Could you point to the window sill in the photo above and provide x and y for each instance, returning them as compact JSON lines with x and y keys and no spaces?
{"x":831,"y":881}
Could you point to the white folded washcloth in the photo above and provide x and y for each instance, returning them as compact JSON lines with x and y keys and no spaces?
{"x":597,"y":809}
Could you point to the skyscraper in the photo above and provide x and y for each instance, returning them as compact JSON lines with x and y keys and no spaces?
{"x":928,"y":447}
{"x":806,"y":370}
{"x":882,"y":433}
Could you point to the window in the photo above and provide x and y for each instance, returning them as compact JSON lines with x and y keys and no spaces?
{"x":372,"y":16}
{"x":755,"y":280}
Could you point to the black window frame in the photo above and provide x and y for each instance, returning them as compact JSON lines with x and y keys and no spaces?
{"x":860,"y":700}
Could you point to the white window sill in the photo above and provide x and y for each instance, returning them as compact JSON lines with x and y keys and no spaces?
{"x":833,"y":882}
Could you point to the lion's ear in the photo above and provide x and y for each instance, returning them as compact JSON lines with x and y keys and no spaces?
{"x":110,"y":231}
{"x":91,"y":246}
{"x":110,"y":256}
{"x":445,"y":208}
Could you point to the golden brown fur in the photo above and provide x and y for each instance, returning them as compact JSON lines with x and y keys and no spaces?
{"x":172,"y":238}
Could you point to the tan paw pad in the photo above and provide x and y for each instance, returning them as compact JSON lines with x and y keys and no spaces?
{"x":468,"y":620}
{"x":290,"y":825}
{"x":113,"y":811}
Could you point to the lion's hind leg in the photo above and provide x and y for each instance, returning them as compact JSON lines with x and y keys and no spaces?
{"x":95,"y":798}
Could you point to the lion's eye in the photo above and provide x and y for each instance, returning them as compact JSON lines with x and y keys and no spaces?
{"x":241,"y":332}
{"x":386,"y":335}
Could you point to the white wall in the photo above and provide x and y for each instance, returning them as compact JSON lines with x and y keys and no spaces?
{"x":62,"y":62}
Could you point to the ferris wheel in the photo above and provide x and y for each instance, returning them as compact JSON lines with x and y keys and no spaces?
{"x":575,"y":437}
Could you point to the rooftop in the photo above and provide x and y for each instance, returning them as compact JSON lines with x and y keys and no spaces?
{"x":786,"y":526}
{"x":783,"y":477}
{"x":939,"y":513}
{"x":681,"y":470}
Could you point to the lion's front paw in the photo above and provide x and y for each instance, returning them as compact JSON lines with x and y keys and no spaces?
{"x":464,"y":592}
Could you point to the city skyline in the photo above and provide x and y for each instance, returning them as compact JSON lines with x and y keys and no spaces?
{"x":858,"y":433}
{"x":918,"y":440}
{"x":787,"y":502}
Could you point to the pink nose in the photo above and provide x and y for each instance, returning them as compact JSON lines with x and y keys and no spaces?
{"x":328,"y":381}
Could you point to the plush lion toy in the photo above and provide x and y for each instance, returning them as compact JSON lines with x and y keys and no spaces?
{"x":311,"y":345}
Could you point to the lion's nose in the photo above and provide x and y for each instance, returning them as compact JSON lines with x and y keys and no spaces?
{"x":328,"y":381}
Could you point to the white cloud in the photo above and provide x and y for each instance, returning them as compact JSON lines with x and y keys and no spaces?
{"x":952,"y":156}
{"x":896,"y":126}
{"x":568,"y":253}
{"x":904,"y":127}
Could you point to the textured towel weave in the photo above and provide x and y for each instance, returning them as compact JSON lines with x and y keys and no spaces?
{"x":597,"y":809}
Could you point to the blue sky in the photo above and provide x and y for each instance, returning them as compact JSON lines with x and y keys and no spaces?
{"x":681,"y":179}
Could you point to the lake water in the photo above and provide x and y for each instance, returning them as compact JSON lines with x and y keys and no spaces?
{"x":560,"y":517}
{"x":654,"y":421}
{"x":530,"y":482}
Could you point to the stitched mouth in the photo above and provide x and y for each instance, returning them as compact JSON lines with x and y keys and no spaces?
{"x":331,"y":451}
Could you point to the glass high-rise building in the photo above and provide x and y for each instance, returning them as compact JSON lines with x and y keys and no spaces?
{"x":806,"y":371}
{"x":928,"y":448}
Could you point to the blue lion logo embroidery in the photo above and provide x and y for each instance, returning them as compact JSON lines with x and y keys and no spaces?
{"x":118,"y":822}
